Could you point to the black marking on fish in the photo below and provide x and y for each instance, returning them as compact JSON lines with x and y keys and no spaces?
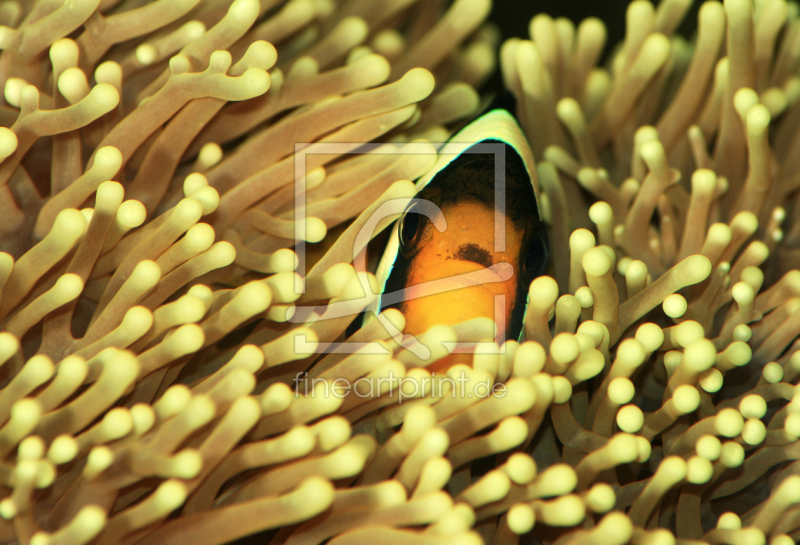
{"x":474,"y":253}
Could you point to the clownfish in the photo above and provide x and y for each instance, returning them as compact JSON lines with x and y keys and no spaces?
{"x":472,"y":240}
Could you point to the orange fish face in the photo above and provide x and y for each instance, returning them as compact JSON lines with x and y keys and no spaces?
{"x":465,"y":270}
{"x":466,"y":246}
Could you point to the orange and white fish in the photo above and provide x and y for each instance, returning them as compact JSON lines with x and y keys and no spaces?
{"x":475,"y":253}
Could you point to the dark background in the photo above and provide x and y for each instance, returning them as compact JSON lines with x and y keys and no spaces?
{"x":513,"y":16}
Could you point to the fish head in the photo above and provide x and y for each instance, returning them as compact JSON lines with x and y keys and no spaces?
{"x":469,"y":246}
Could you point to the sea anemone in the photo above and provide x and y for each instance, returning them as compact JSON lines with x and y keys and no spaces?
{"x":189,"y":190}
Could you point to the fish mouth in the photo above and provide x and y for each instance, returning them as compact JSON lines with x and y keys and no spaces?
{"x":454,"y":291}
{"x":457,"y":275}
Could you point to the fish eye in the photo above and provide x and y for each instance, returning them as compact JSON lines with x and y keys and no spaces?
{"x":410,"y":227}
{"x":536,"y":257}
